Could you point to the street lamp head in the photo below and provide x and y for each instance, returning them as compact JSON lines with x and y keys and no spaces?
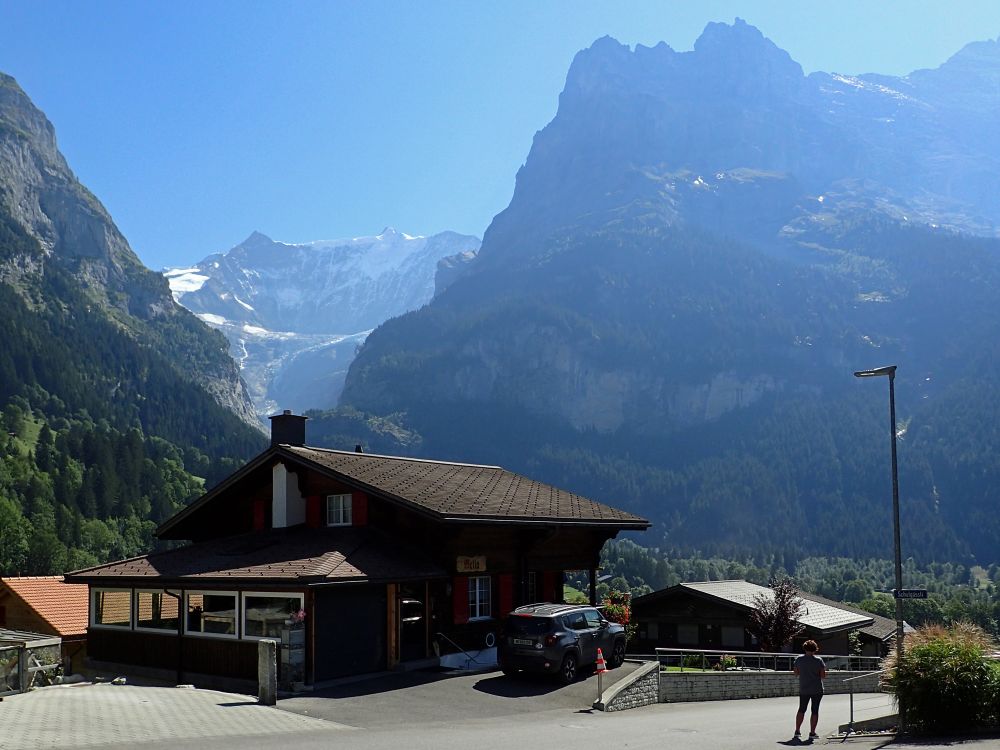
{"x":890,"y":370}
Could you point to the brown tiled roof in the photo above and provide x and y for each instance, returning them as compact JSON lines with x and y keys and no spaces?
{"x":465,"y":491}
{"x":62,"y":605}
{"x":295,"y":555}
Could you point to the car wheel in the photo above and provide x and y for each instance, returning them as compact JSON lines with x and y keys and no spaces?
{"x":567,"y":672}
{"x":617,"y":655}
{"x":509,"y":671}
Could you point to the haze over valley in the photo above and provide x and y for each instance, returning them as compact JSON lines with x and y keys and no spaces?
{"x":700,"y":248}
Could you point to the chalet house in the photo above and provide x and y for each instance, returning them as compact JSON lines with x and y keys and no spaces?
{"x":46,"y":605}
{"x":875,"y":639}
{"x":714,"y":615}
{"x":372,"y":560}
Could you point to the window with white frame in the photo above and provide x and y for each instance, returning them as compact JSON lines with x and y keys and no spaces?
{"x":111,"y":608}
{"x":156,"y":610}
{"x":479,"y":597}
{"x":211,"y":613}
{"x":338,"y":510}
{"x":265,"y":614}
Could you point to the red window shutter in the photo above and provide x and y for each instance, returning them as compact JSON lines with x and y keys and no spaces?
{"x":506,"y":593}
{"x":314,"y":514}
{"x":549,"y":587}
{"x":259,"y":515}
{"x":460,"y":599}
{"x":359,"y":509}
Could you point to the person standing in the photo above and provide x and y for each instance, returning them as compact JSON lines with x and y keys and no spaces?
{"x":811,"y":672}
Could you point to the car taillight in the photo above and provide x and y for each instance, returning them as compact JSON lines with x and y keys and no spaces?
{"x":551,"y":640}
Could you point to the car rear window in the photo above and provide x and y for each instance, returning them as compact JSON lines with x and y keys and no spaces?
{"x":522,"y":625}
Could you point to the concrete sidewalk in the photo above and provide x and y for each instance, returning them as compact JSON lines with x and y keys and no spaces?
{"x":87,"y":715}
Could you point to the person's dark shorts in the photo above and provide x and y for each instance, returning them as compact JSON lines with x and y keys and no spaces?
{"x":804,"y":701}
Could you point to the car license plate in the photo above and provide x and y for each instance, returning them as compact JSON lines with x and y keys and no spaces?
{"x":521,"y":642}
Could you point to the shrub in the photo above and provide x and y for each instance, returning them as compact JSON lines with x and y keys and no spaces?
{"x":725,"y":662}
{"x":944,"y":682}
{"x":694,"y":661}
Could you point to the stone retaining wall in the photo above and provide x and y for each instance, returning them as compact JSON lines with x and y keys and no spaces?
{"x":679,"y":687}
{"x":641,"y":688}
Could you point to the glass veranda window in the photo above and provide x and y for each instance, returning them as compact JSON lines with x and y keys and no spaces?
{"x":211,"y":613}
{"x":264,"y":615}
{"x":112,"y":608}
{"x":156,"y":610}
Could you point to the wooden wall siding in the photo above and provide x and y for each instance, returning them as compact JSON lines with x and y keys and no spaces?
{"x":237,"y":515}
{"x":313,"y":483}
{"x":20,"y":616}
{"x":545,"y":546}
{"x":215,"y":656}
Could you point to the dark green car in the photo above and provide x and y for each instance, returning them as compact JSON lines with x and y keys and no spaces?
{"x":558,"y":639}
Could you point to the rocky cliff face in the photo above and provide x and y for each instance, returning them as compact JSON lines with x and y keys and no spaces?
{"x":41,"y":194}
{"x":730,"y":139}
{"x":923,"y":146}
{"x":700,"y":249}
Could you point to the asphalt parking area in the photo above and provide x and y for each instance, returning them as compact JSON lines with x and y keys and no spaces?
{"x":410,"y":698}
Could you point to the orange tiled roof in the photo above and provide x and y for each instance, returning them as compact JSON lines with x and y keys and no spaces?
{"x":61,"y":605}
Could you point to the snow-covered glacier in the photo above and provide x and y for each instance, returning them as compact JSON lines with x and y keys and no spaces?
{"x":295,"y":314}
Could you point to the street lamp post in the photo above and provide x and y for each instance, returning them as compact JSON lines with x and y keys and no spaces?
{"x":890,"y":372}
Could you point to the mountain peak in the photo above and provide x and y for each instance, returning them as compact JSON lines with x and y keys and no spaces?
{"x":977,"y":57}
{"x":257,"y":239}
{"x":18,"y":113}
{"x":600,"y":67}
{"x":741,"y":46}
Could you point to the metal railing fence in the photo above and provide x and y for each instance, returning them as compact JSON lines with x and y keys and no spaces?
{"x":710,"y":660}
{"x":850,"y":725}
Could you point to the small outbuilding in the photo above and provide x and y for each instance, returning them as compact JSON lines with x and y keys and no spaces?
{"x":48,"y":606}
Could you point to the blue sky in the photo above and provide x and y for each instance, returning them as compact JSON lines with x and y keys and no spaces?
{"x":198,"y":122}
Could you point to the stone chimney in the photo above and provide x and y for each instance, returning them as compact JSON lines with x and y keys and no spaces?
{"x":288,"y":428}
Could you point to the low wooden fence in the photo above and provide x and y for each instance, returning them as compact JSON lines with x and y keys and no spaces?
{"x":23,"y":667}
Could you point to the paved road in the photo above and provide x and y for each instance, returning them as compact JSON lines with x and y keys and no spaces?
{"x":125,"y":717}
{"x":403,"y":700}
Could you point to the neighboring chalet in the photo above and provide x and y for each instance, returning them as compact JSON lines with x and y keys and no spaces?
{"x":383,"y":559}
{"x":875,"y":639}
{"x":715,"y":614}
{"x":46,"y":605}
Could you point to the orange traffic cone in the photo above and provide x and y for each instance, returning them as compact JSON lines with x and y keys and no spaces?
{"x":601,"y":666}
